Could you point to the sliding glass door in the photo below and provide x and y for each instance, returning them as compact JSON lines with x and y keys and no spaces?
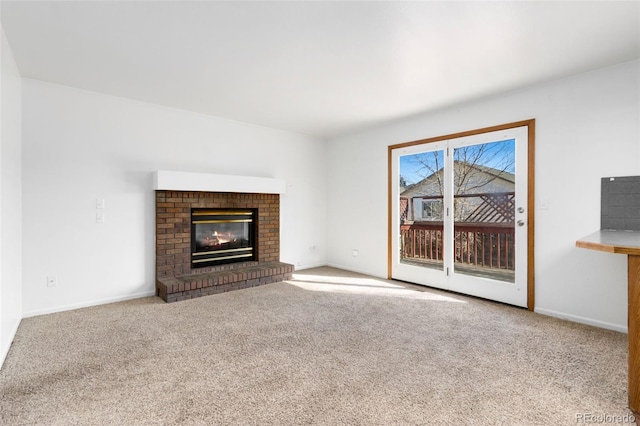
{"x":459,"y":214}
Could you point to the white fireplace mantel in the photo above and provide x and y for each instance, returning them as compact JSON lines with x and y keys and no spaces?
{"x":185,"y":181}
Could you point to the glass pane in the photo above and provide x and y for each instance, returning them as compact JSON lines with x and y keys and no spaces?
{"x":221,"y":236}
{"x":421,"y":209}
{"x":484,"y":210}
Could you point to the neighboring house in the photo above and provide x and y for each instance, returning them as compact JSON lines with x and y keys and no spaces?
{"x":483,"y":194}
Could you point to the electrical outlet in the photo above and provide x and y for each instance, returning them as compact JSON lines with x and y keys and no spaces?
{"x":100,"y":218}
{"x":100,"y":203}
{"x":51,"y":281}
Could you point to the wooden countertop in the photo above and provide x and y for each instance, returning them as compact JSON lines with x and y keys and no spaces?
{"x":622,"y":242}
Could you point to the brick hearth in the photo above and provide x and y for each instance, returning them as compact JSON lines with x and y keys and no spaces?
{"x":190,"y":286}
{"x":176,"y":280}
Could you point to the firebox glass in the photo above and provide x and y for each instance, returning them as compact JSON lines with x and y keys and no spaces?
{"x":222,"y":236}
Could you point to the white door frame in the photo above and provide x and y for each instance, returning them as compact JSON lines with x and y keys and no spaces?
{"x":525,"y":200}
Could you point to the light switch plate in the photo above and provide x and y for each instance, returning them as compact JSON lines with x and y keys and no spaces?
{"x":544,"y":203}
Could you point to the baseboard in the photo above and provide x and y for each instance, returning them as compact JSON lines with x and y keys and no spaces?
{"x":359,"y":271}
{"x":87,"y":304}
{"x":309,"y":266}
{"x":4,"y":351}
{"x":581,"y":320}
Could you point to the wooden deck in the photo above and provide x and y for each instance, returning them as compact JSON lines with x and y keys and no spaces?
{"x":506,"y":275}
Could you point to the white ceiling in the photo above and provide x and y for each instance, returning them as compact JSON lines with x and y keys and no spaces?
{"x":317,"y":68}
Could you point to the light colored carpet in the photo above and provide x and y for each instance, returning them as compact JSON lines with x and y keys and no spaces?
{"x":329,"y":347}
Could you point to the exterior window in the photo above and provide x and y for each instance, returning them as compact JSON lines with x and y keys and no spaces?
{"x":431,"y":209}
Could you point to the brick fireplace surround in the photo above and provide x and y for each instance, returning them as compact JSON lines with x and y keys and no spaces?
{"x":175,"y":280}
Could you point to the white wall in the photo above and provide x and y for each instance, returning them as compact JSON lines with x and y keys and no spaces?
{"x":10,"y":200}
{"x":587,"y":127}
{"x":80,"y":146}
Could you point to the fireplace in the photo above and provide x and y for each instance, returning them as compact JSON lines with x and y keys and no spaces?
{"x":220,"y":236}
{"x":219,"y":262}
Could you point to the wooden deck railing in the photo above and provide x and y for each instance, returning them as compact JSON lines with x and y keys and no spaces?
{"x":488,"y":245}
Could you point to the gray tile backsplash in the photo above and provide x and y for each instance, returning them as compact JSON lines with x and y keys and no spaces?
{"x":620,"y":203}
